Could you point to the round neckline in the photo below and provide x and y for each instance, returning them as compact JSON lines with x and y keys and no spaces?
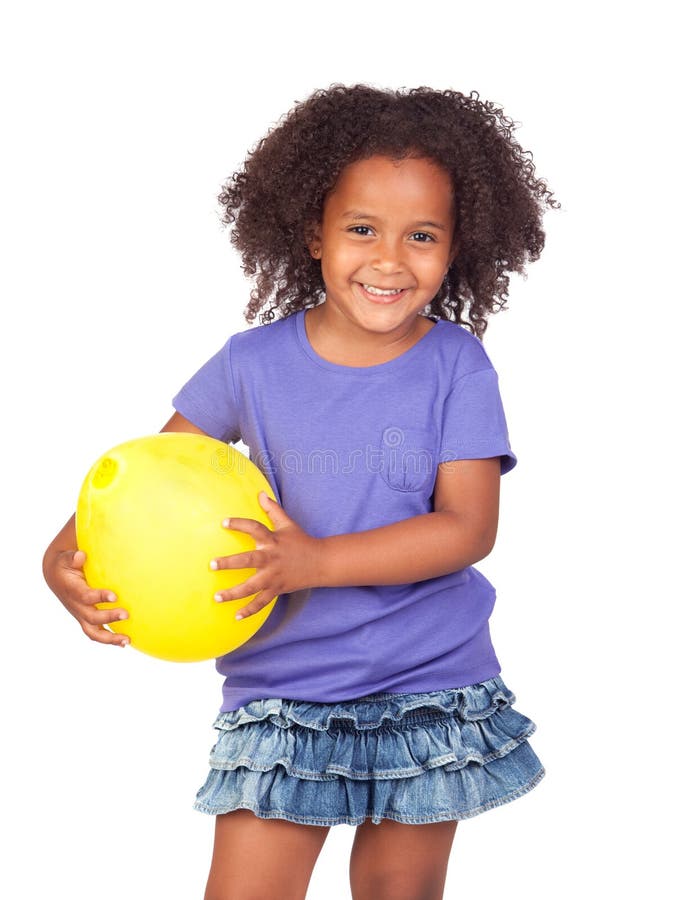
{"x":338,"y":367}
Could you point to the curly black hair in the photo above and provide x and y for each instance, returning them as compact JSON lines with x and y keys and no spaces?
{"x":277,"y":197}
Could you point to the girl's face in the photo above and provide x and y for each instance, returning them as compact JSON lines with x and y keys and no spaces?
{"x":385,"y":244}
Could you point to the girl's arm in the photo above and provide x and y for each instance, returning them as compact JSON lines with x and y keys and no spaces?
{"x":460,"y":531}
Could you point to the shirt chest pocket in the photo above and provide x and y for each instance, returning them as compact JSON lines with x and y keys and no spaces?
{"x":408,"y":458}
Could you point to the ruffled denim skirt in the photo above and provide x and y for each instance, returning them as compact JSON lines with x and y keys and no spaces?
{"x":413,"y":758}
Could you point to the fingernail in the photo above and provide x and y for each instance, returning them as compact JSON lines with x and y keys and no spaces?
{"x":122,"y":615}
{"x":225,"y":523}
{"x":239,"y":616}
{"x":213,"y":563}
{"x":111,"y":598}
{"x":218,"y":597}
{"x":124,"y":643}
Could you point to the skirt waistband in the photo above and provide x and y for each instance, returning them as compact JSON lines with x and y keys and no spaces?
{"x":471,"y":703}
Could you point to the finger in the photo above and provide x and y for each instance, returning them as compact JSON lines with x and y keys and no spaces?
{"x":273,"y":510}
{"x":78,"y":558}
{"x":256,"y":605}
{"x":250,"y":526}
{"x":95,"y":595}
{"x":102,"y":636}
{"x":239,"y":591}
{"x":92,"y":596}
{"x":250,"y":559}
{"x":99,"y":617}
{"x":95,"y":617}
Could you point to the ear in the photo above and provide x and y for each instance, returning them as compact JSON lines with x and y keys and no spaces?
{"x":454,"y":252}
{"x":313,"y":239}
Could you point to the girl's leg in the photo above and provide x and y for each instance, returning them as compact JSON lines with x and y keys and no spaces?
{"x":257,"y":858}
{"x":393,"y":861}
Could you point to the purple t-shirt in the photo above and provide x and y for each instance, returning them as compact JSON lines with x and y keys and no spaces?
{"x":348,"y":449}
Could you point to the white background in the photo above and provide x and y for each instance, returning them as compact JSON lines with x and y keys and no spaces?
{"x":121,"y":121}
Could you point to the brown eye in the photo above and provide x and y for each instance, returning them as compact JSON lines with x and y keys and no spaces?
{"x":422,"y":237}
{"x":360,"y":229}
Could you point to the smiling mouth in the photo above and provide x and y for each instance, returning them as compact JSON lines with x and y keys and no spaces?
{"x":382,"y":292}
{"x":381,"y":295}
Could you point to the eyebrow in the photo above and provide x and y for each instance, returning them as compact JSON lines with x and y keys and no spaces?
{"x":356,"y":214}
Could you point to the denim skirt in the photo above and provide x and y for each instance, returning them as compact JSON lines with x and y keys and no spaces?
{"x":414,"y":758}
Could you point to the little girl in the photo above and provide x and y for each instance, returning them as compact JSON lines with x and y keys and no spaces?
{"x":372,"y":221}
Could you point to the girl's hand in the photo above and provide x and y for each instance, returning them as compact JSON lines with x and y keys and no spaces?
{"x":286,"y":559}
{"x":67,"y":580}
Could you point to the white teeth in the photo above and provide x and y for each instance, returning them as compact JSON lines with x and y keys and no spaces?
{"x":374,"y":290}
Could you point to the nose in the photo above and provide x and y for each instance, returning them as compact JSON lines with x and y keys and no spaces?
{"x":387,"y":256}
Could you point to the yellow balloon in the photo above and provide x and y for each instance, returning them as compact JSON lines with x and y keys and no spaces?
{"x":149,"y":518}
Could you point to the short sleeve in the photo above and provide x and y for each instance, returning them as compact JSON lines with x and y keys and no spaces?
{"x":208,"y":399}
{"x":474,"y":423}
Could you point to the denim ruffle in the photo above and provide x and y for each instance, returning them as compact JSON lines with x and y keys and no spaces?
{"x":414,"y":758}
